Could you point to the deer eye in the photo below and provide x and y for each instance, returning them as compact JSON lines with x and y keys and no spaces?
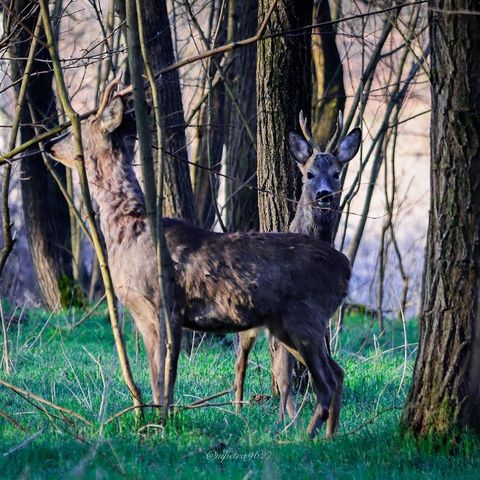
{"x":336,"y":175}
{"x":310,"y":175}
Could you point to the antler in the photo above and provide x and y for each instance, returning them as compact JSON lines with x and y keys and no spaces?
{"x":306,"y":132}
{"x":106,"y":96}
{"x":336,"y":136}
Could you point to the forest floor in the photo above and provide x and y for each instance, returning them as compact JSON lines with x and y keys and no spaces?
{"x":78,"y":370}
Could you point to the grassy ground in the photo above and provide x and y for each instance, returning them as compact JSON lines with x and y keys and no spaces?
{"x":77,"y":369}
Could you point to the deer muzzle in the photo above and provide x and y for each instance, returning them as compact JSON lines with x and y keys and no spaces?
{"x":323,"y":199}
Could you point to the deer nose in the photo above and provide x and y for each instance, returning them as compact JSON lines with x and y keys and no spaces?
{"x":323,"y":196}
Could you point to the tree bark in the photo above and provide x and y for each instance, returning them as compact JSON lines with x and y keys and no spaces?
{"x":211,"y":134}
{"x":45,"y":210}
{"x":329,"y":91}
{"x":445,"y":393}
{"x":211,"y":137}
{"x":283,"y":89}
{"x":178,"y":187}
{"x":241,"y":155}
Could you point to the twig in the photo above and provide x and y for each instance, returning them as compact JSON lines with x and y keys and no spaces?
{"x":129,"y":409}
{"x":77,"y":135}
{"x":248,"y":41}
{"x":299,"y":409}
{"x":8,"y":240}
{"x":395,"y":102}
{"x":87,"y":315}
{"x":191,"y":407}
{"x":214,"y":51}
{"x":8,"y":418}
{"x":6,"y":356}
{"x":151,"y":425}
{"x":369,"y":421}
{"x":405,"y":349}
{"x":203,"y":400}
{"x":196,"y":404}
{"x":32,"y":396}
{"x":25,"y":442}
{"x":44,"y":326}
{"x":78,"y":471}
{"x":154,"y":200}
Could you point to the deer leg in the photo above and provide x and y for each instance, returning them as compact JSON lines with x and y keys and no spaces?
{"x":282,"y":373}
{"x":246,"y":341}
{"x":324,"y":386}
{"x":311,"y":346}
{"x":274,"y":345}
{"x":149,"y":332}
{"x":334,"y":411}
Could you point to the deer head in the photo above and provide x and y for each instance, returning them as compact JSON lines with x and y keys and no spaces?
{"x":321,"y":169}
{"x":105,"y":137}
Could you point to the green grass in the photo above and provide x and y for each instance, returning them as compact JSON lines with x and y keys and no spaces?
{"x":77,"y":369}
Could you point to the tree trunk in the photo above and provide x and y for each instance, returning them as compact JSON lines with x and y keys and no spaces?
{"x":445,"y":393}
{"x":45,"y":210}
{"x":329,"y":92}
{"x":178,"y":187}
{"x":211,"y":134}
{"x":283,"y":89}
{"x":211,"y":137}
{"x":241,"y":157}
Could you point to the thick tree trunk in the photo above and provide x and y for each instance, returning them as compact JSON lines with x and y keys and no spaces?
{"x":45,"y":210}
{"x":445,"y":393}
{"x":178,"y":187}
{"x":329,"y":92}
{"x":283,"y":89}
{"x":241,"y":156}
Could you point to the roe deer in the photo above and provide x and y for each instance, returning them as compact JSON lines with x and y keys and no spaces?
{"x":224,"y":282}
{"x":317,"y":215}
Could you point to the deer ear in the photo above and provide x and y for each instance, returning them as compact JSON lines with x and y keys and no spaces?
{"x":300,"y":149}
{"x":349,"y":146}
{"x":112,"y":116}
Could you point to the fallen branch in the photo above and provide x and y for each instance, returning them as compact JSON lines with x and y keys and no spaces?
{"x":369,"y":421}
{"x":203,"y":400}
{"x":8,"y":418}
{"x":32,"y":396}
{"x":196,"y":404}
{"x":25,"y":442}
{"x":191,"y":407}
{"x":129,"y":409}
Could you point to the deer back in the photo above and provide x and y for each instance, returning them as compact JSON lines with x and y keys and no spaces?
{"x":247,"y":277}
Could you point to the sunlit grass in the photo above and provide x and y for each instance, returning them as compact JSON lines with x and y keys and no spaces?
{"x":77,"y":369}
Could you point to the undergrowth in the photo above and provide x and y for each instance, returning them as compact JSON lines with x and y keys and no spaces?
{"x":77,"y":369}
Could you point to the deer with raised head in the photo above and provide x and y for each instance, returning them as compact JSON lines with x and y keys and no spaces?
{"x":317,"y":215}
{"x":224,"y":282}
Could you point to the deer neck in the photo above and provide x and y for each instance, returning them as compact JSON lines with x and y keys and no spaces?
{"x":314,"y":221}
{"x":120,"y":200}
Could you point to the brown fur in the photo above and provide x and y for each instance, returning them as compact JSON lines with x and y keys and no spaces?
{"x":285,"y":282}
{"x":317,"y":215}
